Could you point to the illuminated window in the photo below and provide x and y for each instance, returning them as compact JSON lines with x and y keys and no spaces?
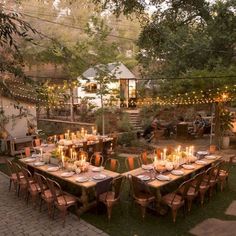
{"x":91,"y":87}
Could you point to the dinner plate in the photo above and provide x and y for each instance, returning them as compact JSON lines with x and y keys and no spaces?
{"x":177,"y":172}
{"x":99,"y":177}
{"x":200,"y":162}
{"x":163,"y":178}
{"x":67,"y":174}
{"x":53,"y":168}
{"x":29,"y":159}
{"x":39,"y":163}
{"x":44,"y":145}
{"x":202,"y":153}
{"x":147,"y":167}
{"x":96,"y":169}
{"x":81,"y":179}
{"x":188,"y":167}
{"x":210,"y":157}
{"x":36,"y":155}
{"x":144,"y":177}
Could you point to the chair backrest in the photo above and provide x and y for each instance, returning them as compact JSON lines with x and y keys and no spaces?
{"x":143,"y":158}
{"x":17,"y":169}
{"x":96,"y":159}
{"x":132,"y":163}
{"x":217,"y":168}
{"x":41,"y":181}
{"x":158,"y":152}
{"x":209,"y":173}
{"x":27,"y":151}
{"x":198,"y":180}
{"x":37,"y":142}
{"x":138,"y":186}
{"x":170,"y":149}
{"x":54,"y":188}
{"x":183,"y":189}
{"x":112,"y":164}
{"x":9,"y":165}
{"x":82,"y":154}
{"x":28,"y":176}
{"x":116,"y":185}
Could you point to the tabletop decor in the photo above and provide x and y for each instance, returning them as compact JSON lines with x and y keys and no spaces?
{"x":172,"y":160}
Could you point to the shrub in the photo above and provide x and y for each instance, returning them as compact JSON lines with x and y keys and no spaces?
{"x":127,"y":139}
{"x":124,"y":124}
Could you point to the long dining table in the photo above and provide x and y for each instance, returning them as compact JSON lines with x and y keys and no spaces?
{"x":84,"y":186}
{"x":156,"y":184}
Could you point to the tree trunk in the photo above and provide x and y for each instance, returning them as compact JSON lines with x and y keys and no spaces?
{"x":103,"y":118}
{"x":72,"y":118}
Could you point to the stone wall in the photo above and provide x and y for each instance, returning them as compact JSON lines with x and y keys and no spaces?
{"x":51,"y":127}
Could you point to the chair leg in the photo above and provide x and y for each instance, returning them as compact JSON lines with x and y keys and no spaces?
{"x":10,"y":182}
{"x":27,"y":197}
{"x":109,"y":210}
{"x":189,"y":204}
{"x":174,"y":214}
{"x":18,"y":191}
{"x":63,"y":214}
{"x":202,"y":197}
{"x":143,"y":210}
{"x":49,"y":206}
{"x":53,"y":212}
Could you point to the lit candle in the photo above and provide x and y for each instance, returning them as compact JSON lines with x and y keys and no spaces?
{"x":41,"y":152}
{"x":155,"y":158}
{"x":178,"y":149}
{"x":63,"y":160}
{"x":55,"y":138}
{"x":164,"y":153}
{"x":71,"y":153}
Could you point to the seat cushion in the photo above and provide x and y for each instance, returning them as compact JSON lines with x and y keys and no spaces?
{"x":168,"y":198}
{"x":190,"y":192}
{"x":107,"y":197}
{"x":142,"y":196}
{"x":14,"y":177}
{"x":34,"y":187}
{"x":48,"y":194}
{"x":66,"y":200}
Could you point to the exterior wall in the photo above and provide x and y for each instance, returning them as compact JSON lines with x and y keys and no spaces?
{"x":94,"y":97}
{"x":18,"y":127}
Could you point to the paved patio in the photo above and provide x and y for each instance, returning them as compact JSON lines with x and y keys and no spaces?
{"x":19,"y":219}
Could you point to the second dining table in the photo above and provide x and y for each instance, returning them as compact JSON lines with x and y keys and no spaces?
{"x":156,"y":184}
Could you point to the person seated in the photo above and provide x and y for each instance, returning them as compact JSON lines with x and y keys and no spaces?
{"x":150,"y":128}
{"x":199,"y":125}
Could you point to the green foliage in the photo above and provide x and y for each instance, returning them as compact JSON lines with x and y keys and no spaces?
{"x":124,"y":124}
{"x":194,"y":35}
{"x":12,"y":29}
{"x":147,"y":113}
{"x":127,"y":139}
{"x":226,"y":121}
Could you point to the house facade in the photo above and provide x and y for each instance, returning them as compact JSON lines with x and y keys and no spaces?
{"x":123,"y":87}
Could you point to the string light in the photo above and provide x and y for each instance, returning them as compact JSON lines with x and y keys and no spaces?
{"x":225,"y":94}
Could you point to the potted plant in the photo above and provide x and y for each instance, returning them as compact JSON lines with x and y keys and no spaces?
{"x":226,"y":124}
